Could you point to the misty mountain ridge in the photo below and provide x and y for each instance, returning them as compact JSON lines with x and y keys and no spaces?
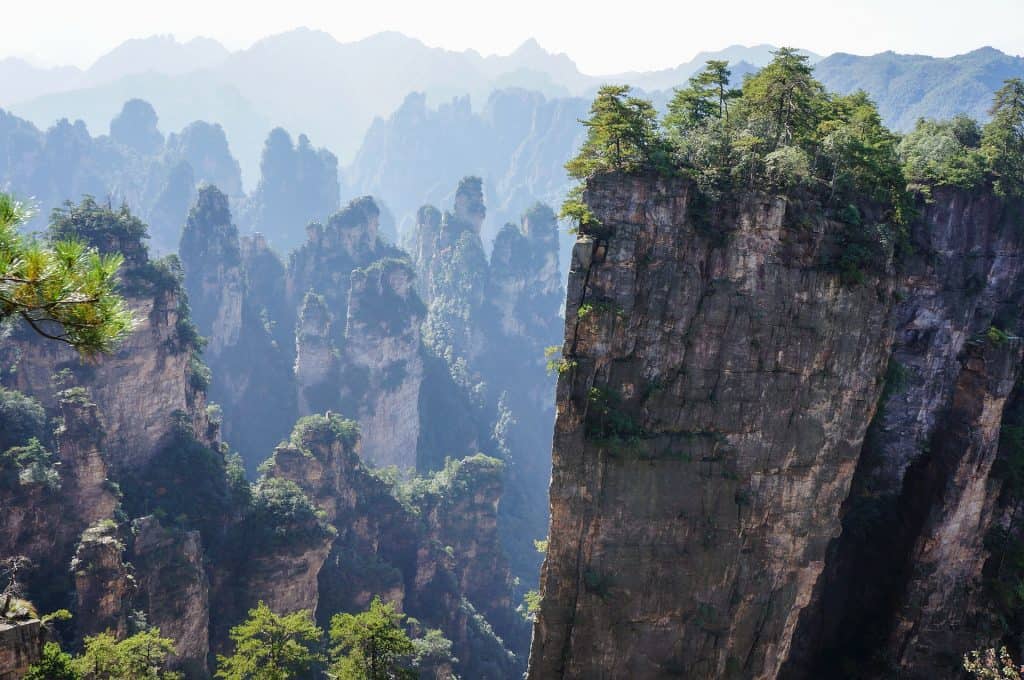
{"x":348,"y":85}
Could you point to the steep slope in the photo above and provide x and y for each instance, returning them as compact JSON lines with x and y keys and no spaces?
{"x":904,"y":586}
{"x":707,"y":432}
{"x":720,"y":505}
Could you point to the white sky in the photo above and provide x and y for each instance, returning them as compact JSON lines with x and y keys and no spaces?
{"x":602,"y":36}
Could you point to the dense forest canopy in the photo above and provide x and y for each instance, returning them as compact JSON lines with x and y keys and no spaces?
{"x":783,"y":129}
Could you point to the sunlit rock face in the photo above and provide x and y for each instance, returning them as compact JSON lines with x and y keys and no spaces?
{"x":734,"y":494}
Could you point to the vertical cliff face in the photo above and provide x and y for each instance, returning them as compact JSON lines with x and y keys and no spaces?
{"x":46,"y":509}
{"x":21,"y":645}
{"x":212,"y":260}
{"x":382,"y":344}
{"x":160,"y":351}
{"x":761,"y":471}
{"x":236,"y":294}
{"x":511,"y":301}
{"x":104,"y":585}
{"x":358,"y":346}
{"x":455,"y":274}
{"x":173,"y":589}
{"x":903,"y":587}
{"x":718,"y":385}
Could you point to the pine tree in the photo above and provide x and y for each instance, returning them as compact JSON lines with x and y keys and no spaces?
{"x":1003,"y":138}
{"x":269,"y":646}
{"x":371,"y":645}
{"x":63,"y":290}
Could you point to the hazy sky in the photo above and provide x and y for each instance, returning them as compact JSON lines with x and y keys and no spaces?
{"x":602,"y":36}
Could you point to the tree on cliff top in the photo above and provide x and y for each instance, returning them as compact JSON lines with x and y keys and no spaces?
{"x":622,"y":134}
{"x":63,"y":290}
{"x":1003,"y":140}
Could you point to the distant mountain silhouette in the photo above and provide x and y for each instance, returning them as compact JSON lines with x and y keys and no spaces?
{"x":305,"y":81}
{"x":907,"y":87}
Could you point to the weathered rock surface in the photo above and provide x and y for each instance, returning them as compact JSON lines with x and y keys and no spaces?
{"x":924,"y":480}
{"x":159,"y":352}
{"x":104,"y":585}
{"x":173,"y":590}
{"x":21,"y":645}
{"x":385,"y":548}
{"x":717,"y":510}
{"x":382,"y":346}
{"x":707,"y":432}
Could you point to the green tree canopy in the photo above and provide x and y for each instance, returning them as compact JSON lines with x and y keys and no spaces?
{"x":53,"y":665}
{"x":371,"y":645}
{"x":783,"y":100}
{"x":143,"y":656}
{"x":63,"y":290}
{"x":622,"y":134}
{"x":1003,"y":139}
{"x":270,"y":646}
{"x":708,"y":96}
{"x":944,"y":152}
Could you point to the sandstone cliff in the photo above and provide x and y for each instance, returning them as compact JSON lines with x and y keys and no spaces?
{"x":903,"y":587}
{"x":707,"y":432}
{"x":717,"y":510}
{"x":435,"y":557}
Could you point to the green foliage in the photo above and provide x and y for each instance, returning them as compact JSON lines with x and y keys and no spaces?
{"x":457,"y":478}
{"x":944,"y":153}
{"x":269,"y":646}
{"x":622,"y":135}
{"x":531,"y":604}
{"x":279,"y":514}
{"x":324,"y":429}
{"x":606,"y":420}
{"x":97,"y":225}
{"x":707,"y":96}
{"x":63,"y":290}
{"x":21,"y":418}
{"x":578,"y":212}
{"x":783,"y":102}
{"x":32,"y":463}
{"x":379,"y":304}
{"x":859,"y":154}
{"x":541,"y":545}
{"x":781,"y":132}
{"x":996,"y":336}
{"x":53,"y":665}
{"x":991,"y":665}
{"x":57,"y":615}
{"x":432,"y":650}
{"x":1003,"y":139}
{"x":556,"y":363}
{"x":199,"y":375}
{"x":371,"y":645}
{"x":188,"y":482}
{"x":142,"y":656}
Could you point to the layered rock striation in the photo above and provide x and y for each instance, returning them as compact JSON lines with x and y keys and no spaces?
{"x":764,"y":470}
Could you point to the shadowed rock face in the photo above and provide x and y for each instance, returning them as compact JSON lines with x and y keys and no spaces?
{"x":173,"y":589}
{"x":710,"y":442}
{"x":906,"y":574}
